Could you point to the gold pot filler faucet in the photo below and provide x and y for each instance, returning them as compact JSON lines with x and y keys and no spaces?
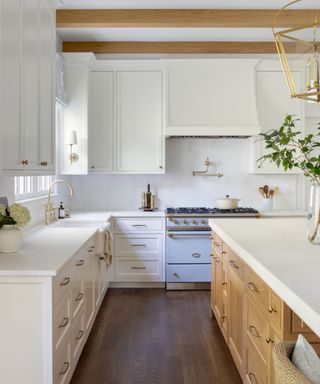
{"x":50,"y":210}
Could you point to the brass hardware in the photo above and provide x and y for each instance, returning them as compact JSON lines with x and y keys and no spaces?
{"x":196,"y":255}
{"x":252,"y":375}
{"x":185,"y":222}
{"x":50,"y":211}
{"x":271,"y":309}
{"x":211,"y":238}
{"x":80,"y":335}
{"x":44,"y":163}
{"x":92,"y":167}
{"x":139,"y":225}
{"x":90,"y":250}
{"x":175,"y":274}
{"x":138,"y":267}
{"x":224,"y":283}
{"x":211,"y":254}
{"x":66,"y":281}
{"x":138,"y":245}
{"x":80,"y":263}
{"x":203,"y":222}
{"x":253,"y":331}
{"x":66,"y":366}
{"x":269,"y":340}
{"x":160,"y":167}
{"x":233,"y":264}
{"x":64,"y":323}
{"x":216,"y":259}
{"x":101,"y":258}
{"x":79,"y":297}
{"x":24,"y":162}
{"x":309,"y":48}
{"x":224,"y":317}
{"x":252,"y":287}
{"x":223,"y":253}
{"x":206,"y":171}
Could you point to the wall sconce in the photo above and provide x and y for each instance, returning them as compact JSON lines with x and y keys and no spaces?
{"x":71,"y":139}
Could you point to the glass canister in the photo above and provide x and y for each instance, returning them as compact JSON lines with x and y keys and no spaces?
{"x":313,"y":228}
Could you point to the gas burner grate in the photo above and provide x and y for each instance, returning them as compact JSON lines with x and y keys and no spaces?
{"x":208,"y":211}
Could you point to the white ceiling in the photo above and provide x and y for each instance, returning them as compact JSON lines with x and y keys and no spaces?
{"x":184,"y":4}
{"x":173,"y":34}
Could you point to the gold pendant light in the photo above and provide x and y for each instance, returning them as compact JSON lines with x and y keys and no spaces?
{"x":300,"y":43}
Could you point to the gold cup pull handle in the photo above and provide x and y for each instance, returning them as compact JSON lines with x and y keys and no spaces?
{"x":79,"y":297}
{"x":65,"y":368}
{"x":253,"y":331}
{"x":64,"y":323}
{"x":252,"y":287}
{"x":80,"y":263}
{"x":80,"y":334}
{"x":271,"y":309}
{"x":66,"y":281}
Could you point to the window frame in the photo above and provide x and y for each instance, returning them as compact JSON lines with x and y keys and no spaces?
{"x":32,"y":187}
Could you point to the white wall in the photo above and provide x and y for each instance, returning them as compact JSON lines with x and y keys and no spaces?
{"x":179,"y":188}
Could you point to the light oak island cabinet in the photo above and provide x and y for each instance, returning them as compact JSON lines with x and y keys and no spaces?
{"x":27,"y":74}
{"x":252,"y":318}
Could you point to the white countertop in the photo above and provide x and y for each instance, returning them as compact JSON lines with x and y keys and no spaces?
{"x":45,"y":251}
{"x":279,"y":252}
{"x":284,"y":213}
{"x":106,"y":215}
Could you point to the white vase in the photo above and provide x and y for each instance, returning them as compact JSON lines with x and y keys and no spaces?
{"x":313,"y":228}
{"x":10,"y":239}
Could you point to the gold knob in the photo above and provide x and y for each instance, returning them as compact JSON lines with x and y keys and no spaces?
{"x":185,"y":222}
{"x":44,"y":163}
{"x":160,"y":167}
{"x":223,"y":253}
{"x":224,"y":283}
{"x":253,"y":331}
{"x":65,"y":368}
{"x":224,"y":317}
{"x":211,"y":254}
{"x":271,"y":309}
{"x":252,"y":287}
{"x":24,"y":162}
{"x":269,"y":340}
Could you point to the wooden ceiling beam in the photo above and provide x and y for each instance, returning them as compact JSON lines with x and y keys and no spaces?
{"x":181,"y":18}
{"x":185,"y":47}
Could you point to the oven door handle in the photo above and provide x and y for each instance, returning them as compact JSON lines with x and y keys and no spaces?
{"x":175,"y":235}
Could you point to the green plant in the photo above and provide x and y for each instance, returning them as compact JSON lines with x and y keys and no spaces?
{"x":287,"y":148}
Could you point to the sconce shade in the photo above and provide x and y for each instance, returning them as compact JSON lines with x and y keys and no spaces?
{"x":300,"y":44}
{"x":71,"y":138}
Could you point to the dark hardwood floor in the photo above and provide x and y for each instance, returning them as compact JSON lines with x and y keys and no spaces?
{"x":150,"y":336}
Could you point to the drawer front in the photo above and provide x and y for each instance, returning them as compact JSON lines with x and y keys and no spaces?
{"x":189,"y":249}
{"x":275,"y":311}
{"x":61,"y":320}
{"x":62,"y":365}
{"x":138,"y":245}
{"x":257,"y":370}
{"x":235,"y":263}
{"x":139,"y":225}
{"x":78,"y":337}
{"x":77,"y":297}
{"x":188,"y":273}
{"x":133,"y":269}
{"x":216,"y":243}
{"x":256,"y":289}
{"x":257,"y":330}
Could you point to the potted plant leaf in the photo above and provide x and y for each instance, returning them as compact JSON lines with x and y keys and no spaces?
{"x":287,"y":148}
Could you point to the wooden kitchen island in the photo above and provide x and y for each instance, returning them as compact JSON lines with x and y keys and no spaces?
{"x":265,"y":288}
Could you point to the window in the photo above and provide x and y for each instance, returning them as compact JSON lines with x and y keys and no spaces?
{"x":27,"y":187}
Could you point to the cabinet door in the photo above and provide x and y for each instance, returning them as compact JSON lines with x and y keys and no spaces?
{"x":274,"y":103}
{"x":217,"y":294}
{"x":236,"y":319}
{"x":139,"y":122}
{"x":47,"y":49}
{"x":101,"y":122}
{"x":11,"y":94}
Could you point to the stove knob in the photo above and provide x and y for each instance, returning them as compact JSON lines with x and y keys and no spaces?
{"x":203,"y":221}
{"x":177,"y":222}
{"x":185,"y":222}
{"x":194,"y":221}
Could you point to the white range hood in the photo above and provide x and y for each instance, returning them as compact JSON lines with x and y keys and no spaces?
{"x":211,"y":97}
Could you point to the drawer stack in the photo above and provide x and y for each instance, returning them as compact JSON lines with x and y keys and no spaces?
{"x":139,"y":249}
{"x":73,"y":305}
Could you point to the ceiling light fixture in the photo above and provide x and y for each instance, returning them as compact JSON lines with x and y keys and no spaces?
{"x":299,"y":43}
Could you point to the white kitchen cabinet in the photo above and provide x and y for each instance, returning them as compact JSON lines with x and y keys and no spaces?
{"x":139,"y":249}
{"x":27,"y":75}
{"x":274,"y":103}
{"x":101,"y":122}
{"x":52,"y":315}
{"x":139,"y":122}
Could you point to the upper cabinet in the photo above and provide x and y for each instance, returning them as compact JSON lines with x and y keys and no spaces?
{"x":139,"y":122}
{"x":116,"y":110}
{"x":274,"y":103}
{"x":215,"y":97}
{"x":27,"y":74}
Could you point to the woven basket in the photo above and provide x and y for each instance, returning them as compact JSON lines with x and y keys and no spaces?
{"x":285,"y":371}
